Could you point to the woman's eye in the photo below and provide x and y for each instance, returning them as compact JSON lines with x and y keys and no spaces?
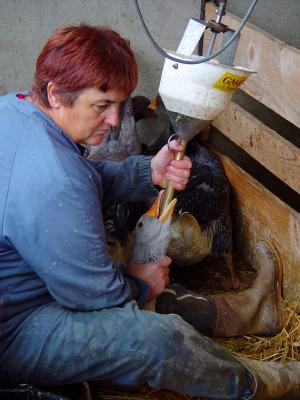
{"x":100,"y":108}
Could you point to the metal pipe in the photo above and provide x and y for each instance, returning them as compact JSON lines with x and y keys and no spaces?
{"x":220,"y":13}
{"x":202,"y":59}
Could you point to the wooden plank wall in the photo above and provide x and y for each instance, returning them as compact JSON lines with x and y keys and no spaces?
{"x":277,"y":81}
{"x":258,"y":214}
{"x":262,"y":143}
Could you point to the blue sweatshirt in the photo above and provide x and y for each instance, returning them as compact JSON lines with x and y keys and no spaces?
{"x":52,"y":239}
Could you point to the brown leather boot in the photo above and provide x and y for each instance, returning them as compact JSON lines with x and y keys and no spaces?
{"x":274,"y":381}
{"x":259,"y":309}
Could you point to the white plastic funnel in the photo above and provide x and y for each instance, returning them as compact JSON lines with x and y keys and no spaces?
{"x":200,"y":91}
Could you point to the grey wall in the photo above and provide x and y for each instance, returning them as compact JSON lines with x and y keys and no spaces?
{"x":26,"y":24}
{"x":278,"y":17}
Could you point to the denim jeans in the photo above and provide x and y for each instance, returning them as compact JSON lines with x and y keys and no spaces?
{"x":123,"y":345}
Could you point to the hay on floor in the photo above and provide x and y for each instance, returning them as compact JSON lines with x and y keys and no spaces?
{"x":285,"y":346}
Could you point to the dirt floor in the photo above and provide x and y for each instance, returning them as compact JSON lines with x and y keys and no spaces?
{"x":212,"y":275}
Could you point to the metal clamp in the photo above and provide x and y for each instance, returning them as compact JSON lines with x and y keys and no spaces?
{"x":216,"y":27}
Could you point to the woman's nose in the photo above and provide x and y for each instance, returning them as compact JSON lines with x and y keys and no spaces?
{"x":113,"y":117}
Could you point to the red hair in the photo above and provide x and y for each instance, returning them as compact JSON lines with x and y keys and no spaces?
{"x":75,"y":58}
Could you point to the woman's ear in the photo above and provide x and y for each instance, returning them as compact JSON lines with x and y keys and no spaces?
{"x":52,"y":96}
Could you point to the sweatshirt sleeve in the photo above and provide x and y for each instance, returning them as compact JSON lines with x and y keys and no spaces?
{"x":128,"y":180}
{"x":53,"y":219}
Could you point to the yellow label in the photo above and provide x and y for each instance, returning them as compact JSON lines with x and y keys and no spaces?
{"x":229,"y":81}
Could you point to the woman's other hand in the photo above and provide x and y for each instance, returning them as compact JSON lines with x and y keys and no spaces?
{"x":155,"y":274}
{"x":164,"y":167}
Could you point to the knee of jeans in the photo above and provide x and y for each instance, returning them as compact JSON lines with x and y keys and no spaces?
{"x":163,"y":335}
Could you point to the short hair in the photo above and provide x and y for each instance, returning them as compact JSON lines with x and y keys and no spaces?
{"x":76,"y":58}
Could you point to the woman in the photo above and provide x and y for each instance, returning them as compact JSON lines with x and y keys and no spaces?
{"x":67,"y":312}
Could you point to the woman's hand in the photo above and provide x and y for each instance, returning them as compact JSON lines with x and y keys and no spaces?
{"x":164,"y":167}
{"x":155,"y":274}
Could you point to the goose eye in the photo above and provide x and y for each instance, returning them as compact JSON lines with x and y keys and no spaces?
{"x":140,"y":224}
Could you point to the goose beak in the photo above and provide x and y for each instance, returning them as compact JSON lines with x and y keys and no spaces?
{"x":153,"y":104}
{"x":154,"y":209}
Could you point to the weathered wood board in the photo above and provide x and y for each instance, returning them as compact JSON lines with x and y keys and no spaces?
{"x":277,"y":81}
{"x":263,"y":144}
{"x":259,"y":215}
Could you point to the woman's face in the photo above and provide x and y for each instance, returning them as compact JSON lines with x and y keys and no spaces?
{"x":87,"y":121}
